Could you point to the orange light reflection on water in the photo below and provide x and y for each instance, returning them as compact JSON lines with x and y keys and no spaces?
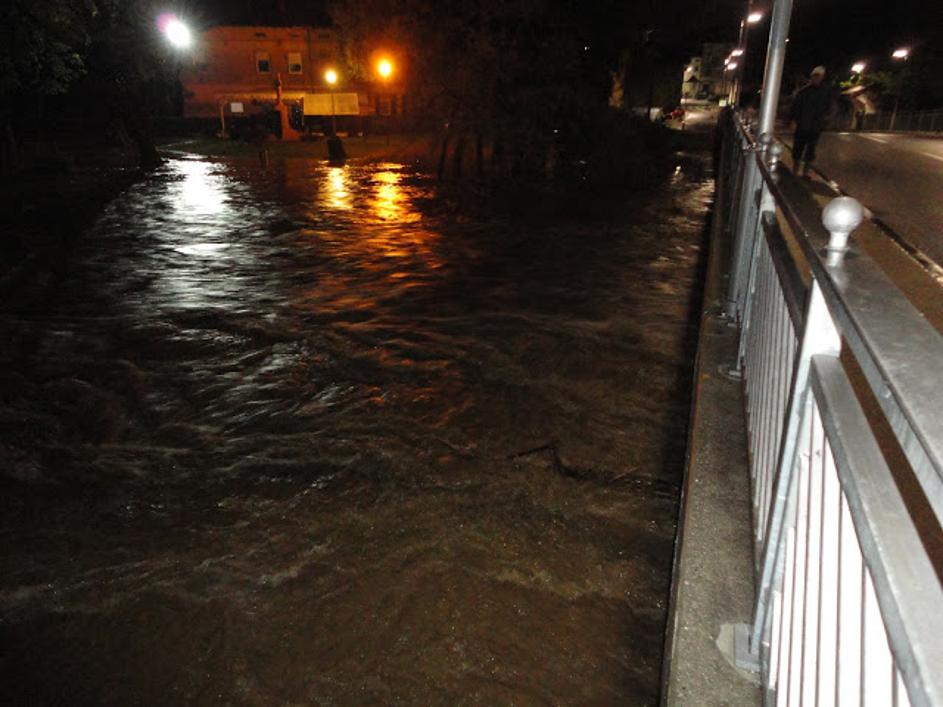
{"x":338,"y":193}
{"x":389,"y":202}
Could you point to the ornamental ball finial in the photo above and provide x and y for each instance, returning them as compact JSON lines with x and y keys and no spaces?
{"x":842,"y":215}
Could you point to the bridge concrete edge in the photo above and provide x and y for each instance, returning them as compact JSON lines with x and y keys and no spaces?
{"x":712,"y":579}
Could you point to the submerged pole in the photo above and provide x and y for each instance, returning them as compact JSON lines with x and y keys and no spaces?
{"x":775,"y":58}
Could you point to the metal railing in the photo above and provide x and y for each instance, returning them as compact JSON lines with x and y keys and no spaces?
{"x":917,"y":121}
{"x":841,"y":377}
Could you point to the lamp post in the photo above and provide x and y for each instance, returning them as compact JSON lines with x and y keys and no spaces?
{"x":901,"y":54}
{"x":752,"y":18}
{"x":179,"y":36}
{"x":331,"y":77}
{"x":385,"y":70}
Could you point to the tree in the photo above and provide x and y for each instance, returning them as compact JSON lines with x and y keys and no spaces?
{"x":522,"y":73}
{"x":41,"y":48}
{"x":129,"y":73}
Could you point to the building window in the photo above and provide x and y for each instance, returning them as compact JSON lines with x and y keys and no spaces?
{"x":294,"y":62}
{"x":263,"y":63}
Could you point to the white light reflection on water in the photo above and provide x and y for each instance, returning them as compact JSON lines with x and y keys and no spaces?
{"x":210,"y":265}
{"x":201,"y":192}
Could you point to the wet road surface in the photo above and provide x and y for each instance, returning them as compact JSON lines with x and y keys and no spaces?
{"x":306,"y":436}
{"x":898,"y":177}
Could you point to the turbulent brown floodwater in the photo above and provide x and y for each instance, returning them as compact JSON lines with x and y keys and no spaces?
{"x":304,"y":437}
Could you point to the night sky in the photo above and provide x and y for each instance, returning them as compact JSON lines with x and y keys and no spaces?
{"x":833,"y":32}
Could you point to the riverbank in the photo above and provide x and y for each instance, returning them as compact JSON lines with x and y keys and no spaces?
{"x":57,"y":192}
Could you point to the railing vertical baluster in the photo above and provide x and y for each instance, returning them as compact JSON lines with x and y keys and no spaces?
{"x":742,"y":237}
{"x":813,"y":566}
{"x":850,"y":593}
{"x":828,"y":594}
{"x":877,"y":676}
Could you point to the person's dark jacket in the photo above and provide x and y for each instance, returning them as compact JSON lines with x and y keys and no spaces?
{"x":810,"y":107}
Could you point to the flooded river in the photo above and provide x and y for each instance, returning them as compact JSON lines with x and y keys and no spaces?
{"x":307,"y":436}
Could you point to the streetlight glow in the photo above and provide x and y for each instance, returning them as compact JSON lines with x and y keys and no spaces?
{"x":858,"y":67}
{"x":330,"y":76}
{"x":384,"y":68}
{"x":754,"y":17}
{"x":736,"y":52}
{"x":731,"y":66}
{"x":176,"y":32}
{"x":901,"y":53}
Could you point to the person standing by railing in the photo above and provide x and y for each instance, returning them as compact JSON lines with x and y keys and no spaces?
{"x":809,"y":110}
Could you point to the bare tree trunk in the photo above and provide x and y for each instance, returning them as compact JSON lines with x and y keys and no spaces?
{"x":458,"y":156}
{"x":9,"y":154}
{"x":497,"y":155}
{"x":443,"y":154}
{"x":479,"y":154}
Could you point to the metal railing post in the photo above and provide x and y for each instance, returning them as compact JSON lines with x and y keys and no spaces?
{"x":819,"y":335}
{"x":775,"y":58}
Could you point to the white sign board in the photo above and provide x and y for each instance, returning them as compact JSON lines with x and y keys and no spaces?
{"x":235,"y":107}
{"x":332,"y":104}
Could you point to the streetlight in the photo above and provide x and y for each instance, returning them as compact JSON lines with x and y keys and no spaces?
{"x":331,"y":77}
{"x":751,"y":19}
{"x":901,"y":54}
{"x":858,"y":67}
{"x":176,"y":32}
{"x":385,"y":70}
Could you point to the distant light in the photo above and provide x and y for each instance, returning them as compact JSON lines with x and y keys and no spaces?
{"x":330,"y":76}
{"x":384,"y":68}
{"x":727,"y":61}
{"x":901,"y":53}
{"x":176,"y":32}
{"x":736,"y":52}
{"x":586,"y":48}
{"x":754,"y":17}
{"x":858,"y":67}
{"x":731,"y":66}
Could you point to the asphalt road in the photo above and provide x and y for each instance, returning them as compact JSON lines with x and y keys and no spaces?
{"x":898,"y":177}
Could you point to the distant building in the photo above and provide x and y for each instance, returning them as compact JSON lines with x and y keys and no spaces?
{"x":712,"y":76}
{"x":704,"y":76}
{"x":691,"y":84}
{"x":240,"y":70}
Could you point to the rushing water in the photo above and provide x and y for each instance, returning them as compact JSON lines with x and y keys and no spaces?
{"x":302,"y":436}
